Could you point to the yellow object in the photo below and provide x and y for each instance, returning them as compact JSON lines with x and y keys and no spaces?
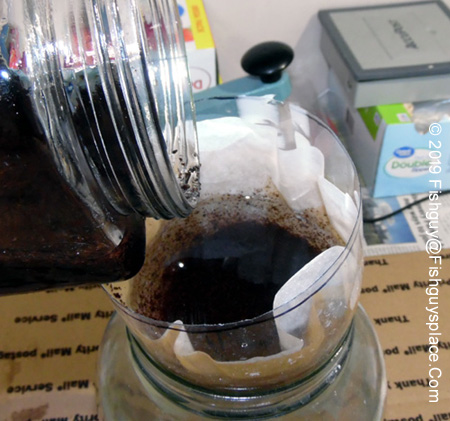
{"x":200,"y":25}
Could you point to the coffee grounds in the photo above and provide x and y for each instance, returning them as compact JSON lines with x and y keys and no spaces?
{"x":48,"y":236}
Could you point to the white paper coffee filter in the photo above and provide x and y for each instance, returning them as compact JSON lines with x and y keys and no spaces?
{"x":342,"y":291}
{"x":293,"y":323}
{"x":340,"y":208}
{"x":255,"y":111}
{"x":221,"y":133}
{"x":240,"y":155}
{"x":301,"y":121}
{"x":339,"y":172}
{"x":234,"y":158}
{"x":297,"y":173}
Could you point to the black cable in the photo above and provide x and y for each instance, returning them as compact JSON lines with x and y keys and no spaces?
{"x":402,"y":209}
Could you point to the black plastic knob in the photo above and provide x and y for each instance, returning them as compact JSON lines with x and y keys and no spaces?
{"x":267,"y":60}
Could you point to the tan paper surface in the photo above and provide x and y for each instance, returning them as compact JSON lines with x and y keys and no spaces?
{"x":49,"y":344}
{"x":395,"y":297}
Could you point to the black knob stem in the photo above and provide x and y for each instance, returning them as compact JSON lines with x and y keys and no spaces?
{"x":267,"y":60}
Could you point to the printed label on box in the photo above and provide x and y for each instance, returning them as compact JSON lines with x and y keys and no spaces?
{"x":199,"y":43}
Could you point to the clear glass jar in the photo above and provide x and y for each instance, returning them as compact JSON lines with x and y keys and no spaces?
{"x":96,"y":132}
{"x":247,"y":322}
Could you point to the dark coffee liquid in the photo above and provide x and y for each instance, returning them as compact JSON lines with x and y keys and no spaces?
{"x":232,"y":274}
{"x":48,"y":237}
{"x":227,"y":261}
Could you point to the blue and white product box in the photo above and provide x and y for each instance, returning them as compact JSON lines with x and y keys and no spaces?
{"x":395,"y":155}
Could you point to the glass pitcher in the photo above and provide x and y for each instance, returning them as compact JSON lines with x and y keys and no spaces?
{"x":96,"y":132}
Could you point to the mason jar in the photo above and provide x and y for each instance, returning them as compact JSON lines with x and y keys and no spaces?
{"x":97,"y":132}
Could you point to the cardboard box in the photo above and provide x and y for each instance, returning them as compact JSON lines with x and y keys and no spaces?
{"x":48,"y":355}
{"x":392,"y":156}
{"x":200,"y":48}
